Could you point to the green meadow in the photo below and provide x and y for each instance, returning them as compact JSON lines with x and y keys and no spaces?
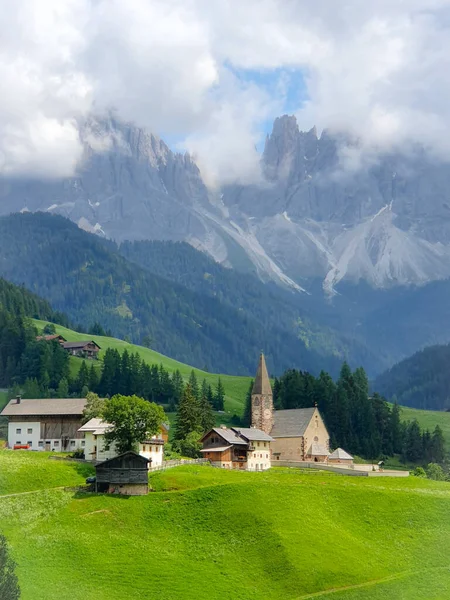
{"x":211,"y":534}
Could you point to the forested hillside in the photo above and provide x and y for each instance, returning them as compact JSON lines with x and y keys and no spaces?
{"x":420,"y":381}
{"x":87,"y":278}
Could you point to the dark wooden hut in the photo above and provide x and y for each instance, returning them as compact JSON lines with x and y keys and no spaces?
{"x":126,"y":474}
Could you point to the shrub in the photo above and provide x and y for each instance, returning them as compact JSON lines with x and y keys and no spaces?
{"x":435,"y":472}
{"x":419,"y":472}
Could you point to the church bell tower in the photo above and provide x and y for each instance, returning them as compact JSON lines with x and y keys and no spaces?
{"x":262,"y":399}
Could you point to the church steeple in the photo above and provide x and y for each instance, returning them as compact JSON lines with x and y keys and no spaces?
{"x":262,"y":399}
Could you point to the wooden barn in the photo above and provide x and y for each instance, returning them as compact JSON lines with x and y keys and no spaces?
{"x":126,"y":474}
{"x":84,"y":349}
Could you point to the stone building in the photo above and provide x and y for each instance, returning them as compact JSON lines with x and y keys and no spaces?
{"x":298,"y":434}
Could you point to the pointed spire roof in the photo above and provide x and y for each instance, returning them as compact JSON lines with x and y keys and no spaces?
{"x":262,"y":381}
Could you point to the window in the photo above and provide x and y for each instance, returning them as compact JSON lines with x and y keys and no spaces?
{"x":265,"y":445}
{"x":267,"y":456}
{"x":18,"y":443}
{"x":30,"y":443}
{"x":72,"y":442}
{"x":56,"y":443}
{"x":18,"y":430}
{"x":157,"y":448}
{"x":144,"y":448}
{"x":83,"y":443}
{"x":30,"y":430}
{"x":40,"y":443}
{"x":316,"y":439}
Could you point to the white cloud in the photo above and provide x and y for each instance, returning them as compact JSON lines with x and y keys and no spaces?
{"x":375,"y":69}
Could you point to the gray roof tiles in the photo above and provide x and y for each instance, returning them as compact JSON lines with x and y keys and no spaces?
{"x":230,"y":436}
{"x":44,"y":406}
{"x":252,"y":434}
{"x":292,"y":422}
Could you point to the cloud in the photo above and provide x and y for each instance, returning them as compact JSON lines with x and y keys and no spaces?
{"x":377,"y":70}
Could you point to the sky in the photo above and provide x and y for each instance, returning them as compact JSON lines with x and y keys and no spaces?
{"x":209,"y":76}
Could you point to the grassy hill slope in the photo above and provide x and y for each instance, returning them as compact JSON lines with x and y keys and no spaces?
{"x":235,"y":387}
{"x":209,"y":534}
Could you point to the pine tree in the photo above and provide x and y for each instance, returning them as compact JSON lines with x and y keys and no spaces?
{"x":188,"y":415}
{"x":207,"y":419}
{"x":397,"y":441}
{"x":194,"y":385}
{"x":63,"y":388}
{"x":247,"y":418}
{"x":93,"y":379}
{"x":82,"y":377}
{"x":219,"y":397}
{"x":437,"y":445}
{"x":413,"y":443}
{"x":177,"y":386}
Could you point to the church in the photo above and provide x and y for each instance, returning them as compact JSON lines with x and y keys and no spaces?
{"x":297,"y":434}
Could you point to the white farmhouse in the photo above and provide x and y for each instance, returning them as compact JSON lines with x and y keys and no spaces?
{"x":45,"y":423}
{"x":94,"y":443}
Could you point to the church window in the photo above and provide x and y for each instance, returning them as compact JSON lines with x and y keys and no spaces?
{"x":316,"y":439}
{"x":256,"y":402}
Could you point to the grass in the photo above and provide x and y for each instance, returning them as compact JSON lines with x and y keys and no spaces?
{"x":207,"y":534}
{"x":428,"y":419}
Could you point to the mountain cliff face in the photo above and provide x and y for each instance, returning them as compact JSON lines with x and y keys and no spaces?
{"x":317,"y":214}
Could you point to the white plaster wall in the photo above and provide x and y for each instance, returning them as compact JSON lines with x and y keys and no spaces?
{"x":260,"y":458}
{"x":35,"y":437}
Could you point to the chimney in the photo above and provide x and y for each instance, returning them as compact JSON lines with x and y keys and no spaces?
{"x":18,"y":399}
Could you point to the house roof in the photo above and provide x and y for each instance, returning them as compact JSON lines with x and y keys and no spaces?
{"x":120,"y":457}
{"x":318,"y":450}
{"x":261,"y":384}
{"x":340,"y":454}
{"x":253,"y":434}
{"x":44,"y":406}
{"x":98,"y":427}
{"x":229,"y":436}
{"x":292,"y":422}
{"x":216,"y":449}
{"x":82,"y":344}
{"x":49,"y":338}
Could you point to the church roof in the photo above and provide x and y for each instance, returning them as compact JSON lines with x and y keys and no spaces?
{"x":261,"y":384}
{"x":292,"y":422}
{"x":341,"y":454}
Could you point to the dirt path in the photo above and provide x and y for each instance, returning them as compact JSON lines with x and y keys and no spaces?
{"x":368,"y":583}
{"x":60,"y":487}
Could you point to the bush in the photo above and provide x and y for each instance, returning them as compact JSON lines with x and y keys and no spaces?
{"x":419,"y":472}
{"x":170,"y":453}
{"x":190,"y":446}
{"x":78,"y":453}
{"x":435,"y":472}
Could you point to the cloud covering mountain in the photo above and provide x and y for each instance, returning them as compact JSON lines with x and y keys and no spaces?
{"x":209,"y":76}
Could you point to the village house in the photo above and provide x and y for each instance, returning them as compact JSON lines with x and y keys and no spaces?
{"x":84,"y":349}
{"x":93,"y":433}
{"x":126,"y":474}
{"x":298,"y":434}
{"x":45,"y":423}
{"x":237,"y":448}
{"x":340,"y":457}
{"x":50,"y":338}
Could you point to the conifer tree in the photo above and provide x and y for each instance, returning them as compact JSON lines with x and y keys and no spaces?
{"x":437,"y":445}
{"x":207,"y":419}
{"x":9,"y":585}
{"x":188,"y":415}
{"x":397,"y":441}
{"x":219,"y":396}
{"x":177,"y":386}
{"x":247,"y":417}
{"x":194,"y":385}
{"x":93,"y":379}
{"x":413,"y":444}
{"x":82,"y":377}
{"x":63,"y":388}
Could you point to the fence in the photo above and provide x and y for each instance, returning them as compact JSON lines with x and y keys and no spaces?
{"x":169,"y":464}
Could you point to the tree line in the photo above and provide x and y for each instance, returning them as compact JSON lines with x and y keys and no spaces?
{"x":365,"y":425}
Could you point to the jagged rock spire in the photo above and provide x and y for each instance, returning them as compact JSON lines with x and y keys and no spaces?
{"x":262,"y":382}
